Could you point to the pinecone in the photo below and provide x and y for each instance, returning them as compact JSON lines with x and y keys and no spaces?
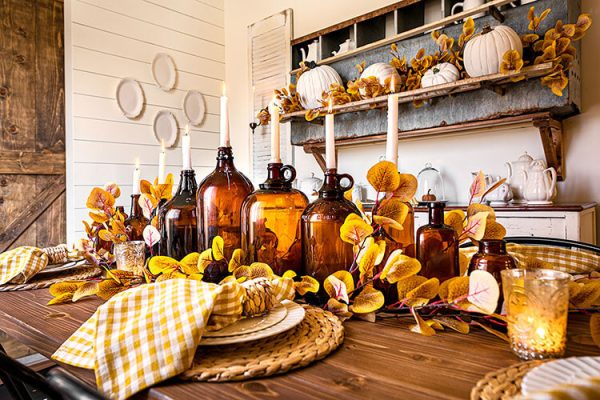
{"x":259,"y":297}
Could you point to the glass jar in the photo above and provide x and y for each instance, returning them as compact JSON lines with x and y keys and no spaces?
{"x":324,"y":252}
{"x":431,"y":184}
{"x":178,"y":219}
{"x":493,"y":258}
{"x":271,"y":222}
{"x":219,"y":202}
{"x":131,"y":256}
{"x":437,"y":246}
{"x":136,"y":222}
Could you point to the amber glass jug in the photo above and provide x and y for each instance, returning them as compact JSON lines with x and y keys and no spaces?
{"x":177,"y":220}
{"x":493,"y":258}
{"x":323,"y":251}
{"x":135,"y":222}
{"x":219,"y":202}
{"x":271,"y":221}
{"x":437,"y":246}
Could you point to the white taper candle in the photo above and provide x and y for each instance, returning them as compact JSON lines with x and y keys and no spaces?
{"x":162,"y":160}
{"x":275,"y":132}
{"x":224,"y":137}
{"x":137,"y":176}
{"x":186,"y":149}
{"x":330,"y":138}
{"x":392,"y":126}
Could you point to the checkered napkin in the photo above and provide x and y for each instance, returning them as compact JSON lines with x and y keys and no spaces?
{"x":20,"y":264}
{"x":150,"y":333}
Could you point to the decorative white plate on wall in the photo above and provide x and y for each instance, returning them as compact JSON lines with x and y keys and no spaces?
{"x":559,"y":372}
{"x":165,"y":128}
{"x":194,"y":107}
{"x":130,"y":97}
{"x":164,"y":71}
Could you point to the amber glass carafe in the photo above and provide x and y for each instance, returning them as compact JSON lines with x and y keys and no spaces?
{"x":323,"y":251}
{"x":437,"y":246}
{"x":177,"y":219}
{"x":219,"y":202}
{"x":493,"y":258}
{"x":136,"y":222}
{"x":271,"y":221}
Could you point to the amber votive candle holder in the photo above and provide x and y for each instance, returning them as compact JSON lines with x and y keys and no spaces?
{"x":537,"y":309}
{"x":131,"y":256}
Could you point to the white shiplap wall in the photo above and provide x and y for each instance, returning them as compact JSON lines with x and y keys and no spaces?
{"x":107,"y":40}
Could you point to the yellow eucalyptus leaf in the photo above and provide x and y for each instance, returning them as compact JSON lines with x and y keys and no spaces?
{"x":160,"y":264}
{"x":189,"y":263}
{"x":218,"y":245}
{"x":164,"y":190}
{"x":478,"y":186}
{"x":61,"y":298}
{"x":483,"y":292}
{"x":369,"y":317}
{"x":405,"y":285}
{"x":475,"y":226}
{"x":197,"y":276}
{"x":99,"y":216}
{"x":348,"y":194}
{"x":344,"y":277}
{"x":368,"y":300}
{"x":108,"y":288}
{"x":338,"y":309}
{"x":393,"y":208}
{"x":336,"y":288}
{"x":260,"y":270}
{"x":475,"y":208}
{"x":355,"y":229}
{"x":236,"y":260}
{"x":100,"y":199}
{"x":307,"y":284}
{"x":421,"y":326}
{"x":147,"y":204}
{"x":399,"y":266}
{"x":427,"y":290}
{"x":57,"y":289}
{"x":367,"y":263}
{"x":586,"y":296}
{"x":455,"y":219}
{"x":453,"y":323}
{"x":204,"y":260}
{"x":407,"y":188}
{"x":387,"y":223}
{"x":435,"y":325}
{"x":381,"y":251}
{"x":113,"y":189}
{"x":146,"y":187}
{"x":458,"y":288}
{"x":494,"y":231}
{"x":85,"y":290}
{"x":463,"y":263}
{"x":106,"y":235}
{"x":492,"y":331}
{"x":384,"y":177}
{"x":289,"y":274}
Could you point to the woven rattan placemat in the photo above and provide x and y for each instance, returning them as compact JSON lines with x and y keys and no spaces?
{"x":315,"y":337}
{"x":44,"y":280}
{"x":503,"y":384}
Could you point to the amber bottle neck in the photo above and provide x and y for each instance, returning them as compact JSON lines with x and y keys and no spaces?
{"x":225,"y":159}
{"x":187,"y":182}
{"x":332,"y":187}
{"x":436,"y":213}
{"x":492,"y":247}
{"x":276,"y":179}
{"x":136,"y":209}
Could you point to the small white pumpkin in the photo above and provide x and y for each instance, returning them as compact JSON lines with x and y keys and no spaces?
{"x":313,"y":83}
{"x":382,"y":72}
{"x":440,"y":74}
{"x":484,"y":52}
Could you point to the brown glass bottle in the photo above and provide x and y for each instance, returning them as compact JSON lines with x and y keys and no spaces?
{"x":177,"y":219}
{"x":493,"y":258}
{"x":136,"y":222}
{"x":219,"y":202}
{"x":323,"y":251}
{"x":437,"y":246}
{"x":271,"y":221}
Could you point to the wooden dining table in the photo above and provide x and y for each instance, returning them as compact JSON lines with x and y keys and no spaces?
{"x":376,"y":360}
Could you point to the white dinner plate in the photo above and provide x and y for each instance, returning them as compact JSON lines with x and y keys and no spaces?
{"x":165,"y":128}
{"x":295,"y":315}
{"x":252,"y":324}
{"x":558,"y":372}
{"x":130,"y":97}
{"x":164,"y":71}
{"x":194,"y":107}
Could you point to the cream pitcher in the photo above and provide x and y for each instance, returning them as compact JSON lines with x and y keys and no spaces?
{"x":516,"y":176}
{"x":540,"y":183}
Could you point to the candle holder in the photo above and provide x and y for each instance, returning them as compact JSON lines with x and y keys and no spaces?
{"x":537,"y":306}
{"x":130,"y":256}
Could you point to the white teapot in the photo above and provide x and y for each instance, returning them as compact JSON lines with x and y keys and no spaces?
{"x":540,"y":183}
{"x":313,"y":52}
{"x":517,"y":171}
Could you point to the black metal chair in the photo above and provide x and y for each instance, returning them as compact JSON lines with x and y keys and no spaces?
{"x":58,"y":385}
{"x":544,"y":241}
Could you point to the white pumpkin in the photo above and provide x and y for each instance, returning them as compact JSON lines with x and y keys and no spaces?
{"x":313,"y":83}
{"x":382,"y":72}
{"x":484,"y":52}
{"x":440,"y":74}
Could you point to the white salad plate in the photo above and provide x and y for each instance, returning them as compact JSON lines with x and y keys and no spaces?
{"x":558,"y":372}
{"x":194,"y":107}
{"x":130,"y":97}
{"x":294,"y":315}
{"x":165,"y":128}
{"x":164,"y":71}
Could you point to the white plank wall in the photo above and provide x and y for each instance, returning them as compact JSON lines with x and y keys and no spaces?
{"x":107,"y":40}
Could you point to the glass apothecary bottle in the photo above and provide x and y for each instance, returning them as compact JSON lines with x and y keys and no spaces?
{"x":437,"y":246}
{"x":271,"y":221}
{"x":431,"y":184}
{"x":178,"y":219}
{"x":323,"y":251}
{"x":219,"y":202}
{"x":135,"y":222}
{"x":493,"y":258}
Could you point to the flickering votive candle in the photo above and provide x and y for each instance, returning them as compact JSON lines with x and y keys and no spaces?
{"x":137,"y":176}
{"x":392,"y":125}
{"x":224,"y":120}
{"x":330,"y":138}
{"x":162,"y":160}
{"x":186,"y":149}
{"x":537,"y":308}
{"x":275,"y":131}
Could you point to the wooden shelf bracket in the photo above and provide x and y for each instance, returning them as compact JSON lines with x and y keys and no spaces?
{"x":552,"y":142}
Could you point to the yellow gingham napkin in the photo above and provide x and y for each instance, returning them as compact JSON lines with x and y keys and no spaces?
{"x":20,"y":264}
{"x":150,"y":333}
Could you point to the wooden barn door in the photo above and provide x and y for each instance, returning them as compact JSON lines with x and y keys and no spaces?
{"x":32,"y":123}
